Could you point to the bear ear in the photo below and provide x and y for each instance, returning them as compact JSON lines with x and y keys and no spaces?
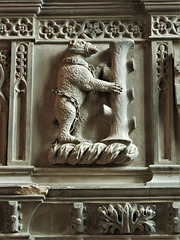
{"x":72,"y":42}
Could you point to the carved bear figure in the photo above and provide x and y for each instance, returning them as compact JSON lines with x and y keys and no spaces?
{"x":74,"y":82}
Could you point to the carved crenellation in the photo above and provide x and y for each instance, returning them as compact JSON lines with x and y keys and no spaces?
{"x":16,"y":27}
{"x":91,"y":29}
{"x":10,"y":217}
{"x":126,"y":219}
{"x":165,"y":26}
{"x":4,"y":98}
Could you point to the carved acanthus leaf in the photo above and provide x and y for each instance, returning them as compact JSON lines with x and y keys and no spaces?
{"x":126,"y":219}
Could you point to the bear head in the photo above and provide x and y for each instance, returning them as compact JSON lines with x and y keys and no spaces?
{"x":82,"y":47}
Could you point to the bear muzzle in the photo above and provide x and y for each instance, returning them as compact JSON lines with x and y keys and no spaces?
{"x":91,"y":49}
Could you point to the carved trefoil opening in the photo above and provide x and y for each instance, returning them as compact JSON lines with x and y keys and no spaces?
{"x":74,"y":96}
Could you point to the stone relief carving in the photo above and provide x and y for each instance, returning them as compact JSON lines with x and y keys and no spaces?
{"x":78,"y":214}
{"x":126,"y":219}
{"x":16,"y":27}
{"x":4,"y":97}
{"x":20,"y":92}
{"x":10,"y":217}
{"x":74,"y":83}
{"x":164,"y":96}
{"x":165,"y":25}
{"x":174,"y":217}
{"x":90,"y":29}
{"x":177,"y":80}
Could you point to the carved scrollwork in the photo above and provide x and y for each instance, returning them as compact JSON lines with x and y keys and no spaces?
{"x":126,"y":219}
{"x":163,"y":25}
{"x":16,"y":27}
{"x":90,"y":29}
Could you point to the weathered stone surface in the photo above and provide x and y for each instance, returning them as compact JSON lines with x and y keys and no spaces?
{"x":128,"y":99}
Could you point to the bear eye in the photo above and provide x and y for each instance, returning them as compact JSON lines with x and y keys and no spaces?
{"x":82,"y":43}
{"x":71,"y":41}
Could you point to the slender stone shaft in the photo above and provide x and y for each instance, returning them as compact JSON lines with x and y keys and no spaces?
{"x":119,"y":126}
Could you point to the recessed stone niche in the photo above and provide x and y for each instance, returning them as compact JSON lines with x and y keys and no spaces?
{"x":89,"y":120}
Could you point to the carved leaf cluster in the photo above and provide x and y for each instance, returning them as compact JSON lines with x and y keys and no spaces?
{"x":89,"y":153}
{"x":21,"y":27}
{"x":127,"y":219}
{"x":94,"y":29}
{"x":163,"y":25}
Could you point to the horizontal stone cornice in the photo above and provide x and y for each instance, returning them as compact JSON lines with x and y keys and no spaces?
{"x":21,"y":7}
{"x":161,"y":6}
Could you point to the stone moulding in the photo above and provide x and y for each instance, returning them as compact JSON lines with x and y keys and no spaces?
{"x":126,"y":219}
{"x":59,"y":29}
{"x":163,"y":93}
{"x":19,"y":140}
{"x":16,"y":27}
{"x":4,"y":98}
{"x":165,"y":26}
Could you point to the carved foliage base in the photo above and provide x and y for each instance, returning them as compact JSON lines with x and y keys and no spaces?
{"x":127,"y":219}
{"x":89,"y":153}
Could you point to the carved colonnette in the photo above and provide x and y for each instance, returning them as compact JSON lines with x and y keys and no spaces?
{"x":4,"y":100}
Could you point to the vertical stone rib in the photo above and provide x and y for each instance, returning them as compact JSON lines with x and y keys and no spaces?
{"x":3,"y":119}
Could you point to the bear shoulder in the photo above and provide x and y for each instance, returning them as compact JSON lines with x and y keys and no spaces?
{"x":74,"y":73}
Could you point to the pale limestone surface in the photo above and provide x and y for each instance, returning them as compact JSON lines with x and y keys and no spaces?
{"x":41,"y":200}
